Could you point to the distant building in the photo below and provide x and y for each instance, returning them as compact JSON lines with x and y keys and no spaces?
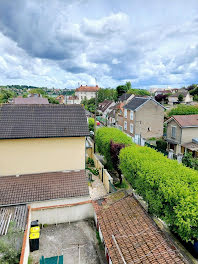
{"x":143,"y":118}
{"x":86,"y":92}
{"x":61,"y":99}
{"x":30,"y":100}
{"x":124,"y":98}
{"x":105,"y":107}
{"x":72,"y":99}
{"x":173,"y":98}
{"x":182,"y":134}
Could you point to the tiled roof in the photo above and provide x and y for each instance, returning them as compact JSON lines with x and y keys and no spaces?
{"x":44,"y":186}
{"x":85,"y":88}
{"x":186,"y":120}
{"x":38,"y":121}
{"x":135,"y":102}
{"x":30,"y":100}
{"x":104,"y":105}
{"x":184,"y":92}
{"x":73,"y":97}
{"x":137,"y":237}
{"x":124,"y":97}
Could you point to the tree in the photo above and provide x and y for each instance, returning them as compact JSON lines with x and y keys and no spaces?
{"x":180,"y":98}
{"x":161,"y":97}
{"x":91,"y":124}
{"x":106,"y":94}
{"x":128,"y":85}
{"x":37,"y":91}
{"x":121,"y":89}
{"x":114,"y":152}
{"x":52,"y":100}
{"x":141,"y":92}
{"x":5,"y":95}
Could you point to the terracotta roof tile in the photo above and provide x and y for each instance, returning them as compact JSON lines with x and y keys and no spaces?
{"x":137,"y":236}
{"x":186,"y":120}
{"x":84,"y":88}
{"x":44,"y":186}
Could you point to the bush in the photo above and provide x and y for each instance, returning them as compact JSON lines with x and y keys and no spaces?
{"x":90,"y":161}
{"x":169,"y":188}
{"x":184,"y":110}
{"x":189,"y":161}
{"x":104,"y":136}
{"x":91,"y":124}
{"x":161,"y":144}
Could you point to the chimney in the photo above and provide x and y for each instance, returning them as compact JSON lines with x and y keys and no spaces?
{"x":96,"y":85}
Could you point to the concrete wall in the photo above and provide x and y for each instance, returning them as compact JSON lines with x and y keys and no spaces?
{"x":73,"y":210}
{"x":104,"y":176}
{"x":26,"y":246}
{"x":25,"y":156}
{"x":188,"y":134}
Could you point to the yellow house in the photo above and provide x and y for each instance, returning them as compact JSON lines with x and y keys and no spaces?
{"x":182,"y":134}
{"x":42,"y":138}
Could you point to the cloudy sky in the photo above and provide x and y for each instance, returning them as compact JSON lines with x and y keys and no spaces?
{"x":60,"y":43}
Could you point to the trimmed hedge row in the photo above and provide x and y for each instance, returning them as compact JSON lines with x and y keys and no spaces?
{"x":170,"y":189}
{"x":103,"y":138}
{"x":183,"y":110}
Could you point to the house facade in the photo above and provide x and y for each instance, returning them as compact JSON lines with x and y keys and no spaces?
{"x":86,"y":92}
{"x":182,"y":134}
{"x":72,"y":99}
{"x":187,"y":98}
{"x":143,"y":118}
{"x":42,"y":138}
{"x":61,"y":99}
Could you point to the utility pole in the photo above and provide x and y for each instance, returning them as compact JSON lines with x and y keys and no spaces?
{"x":95,"y":120}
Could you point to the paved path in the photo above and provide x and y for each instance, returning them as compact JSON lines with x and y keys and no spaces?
{"x":97,"y":189}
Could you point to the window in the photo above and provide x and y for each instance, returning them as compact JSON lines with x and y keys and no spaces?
{"x":131,"y":128}
{"x":120,"y":127}
{"x":125,"y":113}
{"x":125,"y":125}
{"x":173,"y":132}
{"x":131,"y":115}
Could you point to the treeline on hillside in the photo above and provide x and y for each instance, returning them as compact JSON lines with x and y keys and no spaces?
{"x":7,"y":94}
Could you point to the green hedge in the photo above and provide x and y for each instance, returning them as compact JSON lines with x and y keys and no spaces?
{"x":183,"y":110}
{"x":170,"y":189}
{"x":104,"y":136}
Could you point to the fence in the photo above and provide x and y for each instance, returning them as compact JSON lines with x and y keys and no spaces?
{"x":104,"y":176}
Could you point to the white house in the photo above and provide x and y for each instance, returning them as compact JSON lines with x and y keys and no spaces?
{"x":86,"y":92}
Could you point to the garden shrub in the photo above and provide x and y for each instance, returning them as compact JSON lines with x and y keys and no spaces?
{"x":104,"y":136}
{"x":169,"y":188}
{"x":91,"y":124}
{"x":183,"y":110}
{"x":161,"y":144}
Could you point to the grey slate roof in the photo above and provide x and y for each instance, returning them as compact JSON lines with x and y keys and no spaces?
{"x":40,"y":121}
{"x":42,"y":186}
{"x":124,"y":97}
{"x":135,"y":102}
